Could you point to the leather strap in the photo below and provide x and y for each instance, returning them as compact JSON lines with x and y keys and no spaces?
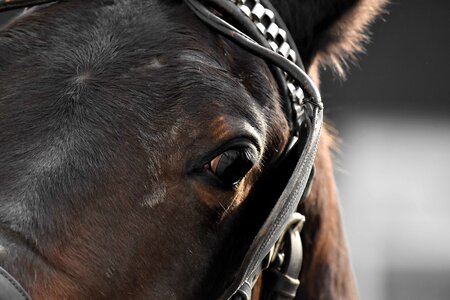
{"x":15,"y":4}
{"x":272,"y":229}
{"x":280,"y":280}
{"x":10,"y":289}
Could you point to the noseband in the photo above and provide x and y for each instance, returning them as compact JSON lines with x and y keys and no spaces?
{"x":276,"y":250}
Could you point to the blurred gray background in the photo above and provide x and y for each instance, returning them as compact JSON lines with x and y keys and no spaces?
{"x":392,"y":115}
{"x":392,"y":169}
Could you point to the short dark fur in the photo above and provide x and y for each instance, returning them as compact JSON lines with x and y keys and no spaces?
{"x":107,"y":111}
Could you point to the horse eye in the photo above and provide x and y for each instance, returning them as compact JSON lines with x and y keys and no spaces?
{"x":231,"y":166}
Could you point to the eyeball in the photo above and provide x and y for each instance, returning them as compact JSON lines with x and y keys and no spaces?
{"x":231,"y":166}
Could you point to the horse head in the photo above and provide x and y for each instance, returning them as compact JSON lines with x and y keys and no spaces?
{"x":138,"y":149}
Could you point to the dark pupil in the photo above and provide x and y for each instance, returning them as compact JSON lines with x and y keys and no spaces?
{"x":233,"y":166}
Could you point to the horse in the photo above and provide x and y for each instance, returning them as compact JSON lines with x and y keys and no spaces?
{"x":138,"y":145}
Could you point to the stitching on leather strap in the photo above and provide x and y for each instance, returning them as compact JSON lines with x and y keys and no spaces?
{"x":18,"y":288}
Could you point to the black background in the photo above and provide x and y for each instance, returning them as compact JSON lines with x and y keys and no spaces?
{"x":405,"y":70}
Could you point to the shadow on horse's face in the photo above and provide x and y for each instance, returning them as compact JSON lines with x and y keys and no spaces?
{"x":130,"y":136}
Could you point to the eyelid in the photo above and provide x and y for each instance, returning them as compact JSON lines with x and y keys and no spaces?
{"x":248,"y":154}
{"x":242,"y":144}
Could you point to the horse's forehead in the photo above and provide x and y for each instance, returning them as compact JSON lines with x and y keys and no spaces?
{"x":92,"y":35}
{"x":111,"y":47}
{"x":129,"y":74}
{"x":131,"y":69}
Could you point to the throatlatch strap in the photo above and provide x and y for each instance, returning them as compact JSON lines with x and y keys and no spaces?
{"x":10,"y":289}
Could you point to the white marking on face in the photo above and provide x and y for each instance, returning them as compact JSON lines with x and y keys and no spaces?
{"x":2,"y":250}
{"x":157,"y":192}
{"x":82,"y":77}
{"x":156,"y":197}
{"x":154,"y":64}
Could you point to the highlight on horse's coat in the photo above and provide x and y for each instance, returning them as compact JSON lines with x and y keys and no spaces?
{"x":151,"y":150}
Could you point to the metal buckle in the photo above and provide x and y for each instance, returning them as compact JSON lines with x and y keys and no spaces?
{"x":280,"y":279}
{"x":295,"y":223}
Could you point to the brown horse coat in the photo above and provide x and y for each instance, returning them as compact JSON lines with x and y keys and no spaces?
{"x":109,"y":111}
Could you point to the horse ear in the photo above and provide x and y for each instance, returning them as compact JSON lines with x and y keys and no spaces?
{"x":329,"y":32}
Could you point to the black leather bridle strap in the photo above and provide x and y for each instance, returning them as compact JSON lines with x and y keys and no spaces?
{"x":289,"y":37}
{"x":253,"y":47}
{"x":274,"y":226}
{"x":10,"y":289}
{"x":15,"y":4}
{"x":272,"y":229}
{"x":231,"y":11}
{"x":281,"y":282}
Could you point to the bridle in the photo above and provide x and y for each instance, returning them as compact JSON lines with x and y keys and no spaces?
{"x":259,"y":29}
{"x":276,"y":249}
